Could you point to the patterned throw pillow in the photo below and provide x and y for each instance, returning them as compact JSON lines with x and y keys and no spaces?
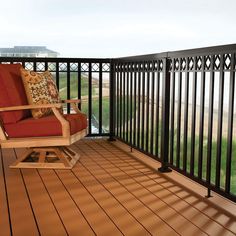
{"x":40,"y":89}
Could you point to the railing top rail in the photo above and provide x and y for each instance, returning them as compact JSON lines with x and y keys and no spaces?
{"x":181,"y":53}
{"x":204,"y":51}
{"x":53,"y":59}
{"x":146,"y":57}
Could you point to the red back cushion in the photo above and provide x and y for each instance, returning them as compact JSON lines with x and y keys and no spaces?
{"x":12,"y":93}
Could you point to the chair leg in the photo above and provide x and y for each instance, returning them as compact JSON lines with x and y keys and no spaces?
{"x":47,"y":158}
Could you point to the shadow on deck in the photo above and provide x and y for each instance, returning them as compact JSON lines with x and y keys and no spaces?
{"x":107,"y":192}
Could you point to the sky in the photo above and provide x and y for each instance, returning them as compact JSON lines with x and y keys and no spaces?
{"x":109,"y":28}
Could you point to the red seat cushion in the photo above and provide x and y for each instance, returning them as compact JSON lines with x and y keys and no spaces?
{"x":12,"y":93}
{"x":45,"y":126}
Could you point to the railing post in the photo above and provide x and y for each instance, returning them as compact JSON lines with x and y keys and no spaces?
{"x":165,"y":116}
{"x":112,"y":102}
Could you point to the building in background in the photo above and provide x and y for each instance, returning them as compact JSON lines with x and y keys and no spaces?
{"x":27,"y":51}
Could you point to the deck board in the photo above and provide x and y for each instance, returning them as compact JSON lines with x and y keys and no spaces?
{"x":150,"y":204}
{"x":141,"y":213}
{"x":86,"y":202}
{"x":22,"y":216}
{"x":42,"y":204}
{"x":108,"y":192}
{"x":122,"y":218}
{"x":70,"y":214}
{"x":156,"y":186}
{"x":4,"y":215}
{"x":44,"y":209}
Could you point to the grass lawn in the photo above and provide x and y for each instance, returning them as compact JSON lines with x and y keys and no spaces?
{"x":84,"y":93}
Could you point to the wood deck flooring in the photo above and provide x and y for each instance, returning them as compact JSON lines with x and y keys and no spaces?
{"x":108,"y":192}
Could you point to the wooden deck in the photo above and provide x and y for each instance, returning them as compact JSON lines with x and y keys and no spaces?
{"x":107,"y":193}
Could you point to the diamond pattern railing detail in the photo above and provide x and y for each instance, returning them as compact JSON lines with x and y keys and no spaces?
{"x":52,"y":66}
{"x":217,"y":62}
{"x":95,"y":67}
{"x":176,"y":64}
{"x":62,"y":67}
{"x":208,"y":63}
{"x":190,"y":63}
{"x":85,"y":67}
{"x":105,"y":67}
{"x":29,"y":65}
{"x":74,"y":66}
{"x":227,"y":61}
{"x":40,"y":66}
{"x":199,"y":63}
{"x":183,"y":63}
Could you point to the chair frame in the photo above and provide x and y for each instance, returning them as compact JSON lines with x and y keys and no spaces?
{"x":44,"y":145}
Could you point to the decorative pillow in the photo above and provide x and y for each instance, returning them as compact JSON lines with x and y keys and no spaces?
{"x":40,"y":88}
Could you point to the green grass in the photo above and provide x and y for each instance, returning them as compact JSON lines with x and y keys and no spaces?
{"x":224,"y":145}
{"x":84,"y":94}
{"x":73,"y":85}
{"x":95,"y":110}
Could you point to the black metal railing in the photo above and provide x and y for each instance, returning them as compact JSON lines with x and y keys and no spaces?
{"x":138,"y":102}
{"x":85,"y":79}
{"x":180,"y":108}
{"x":203,"y":117}
{"x":177,"y":107}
